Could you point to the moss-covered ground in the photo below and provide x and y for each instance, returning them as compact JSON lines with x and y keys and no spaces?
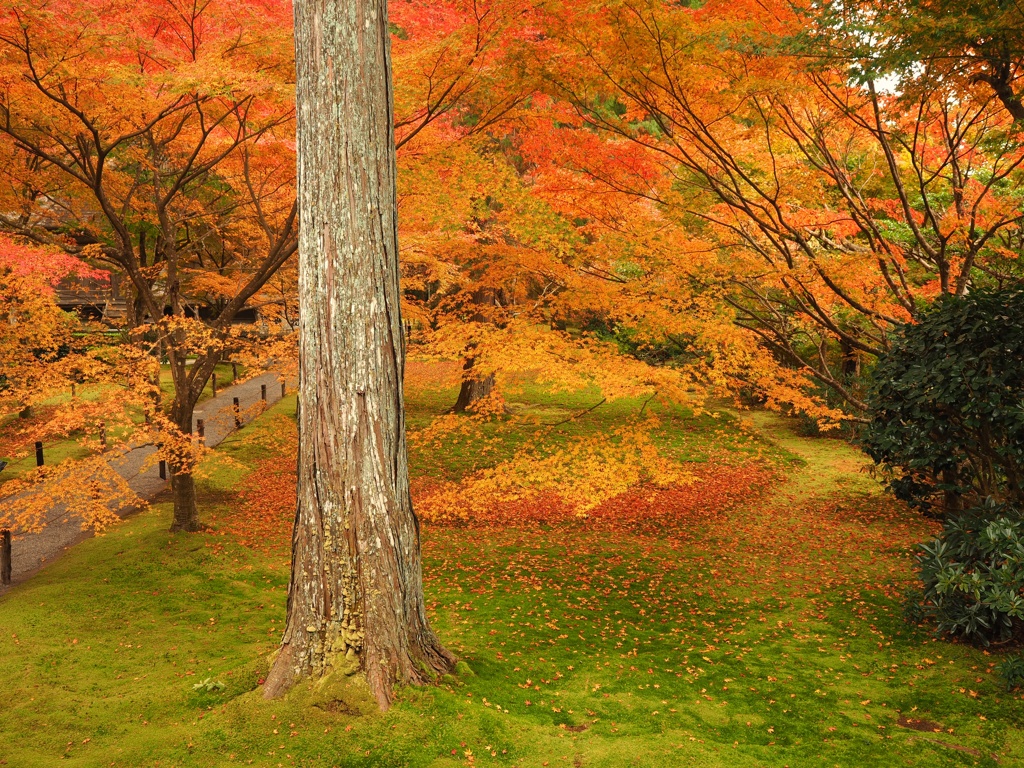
{"x":762,"y":628}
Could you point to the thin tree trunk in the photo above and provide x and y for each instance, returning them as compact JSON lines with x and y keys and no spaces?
{"x":186,"y":511}
{"x":355,"y":601}
{"x":951,"y":501}
{"x":474,"y":387}
{"x":472,"y":390}
{"x":183,"y":484}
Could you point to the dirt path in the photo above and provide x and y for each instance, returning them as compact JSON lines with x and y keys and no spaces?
{"x":32,"y":551}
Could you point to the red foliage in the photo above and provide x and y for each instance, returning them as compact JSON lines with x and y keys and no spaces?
{"x":48,"y":265}
{"x":758,"y":535}
{"x":263,"y":514}
{"x":262,"y":519}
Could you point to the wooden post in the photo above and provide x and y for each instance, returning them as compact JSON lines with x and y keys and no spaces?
{"x":201,"y":430}
{"x":163,"y":469}
{"x":39,"y":453}
{"x":213,"y":384}
{"x":103,"y":435}
{"x":72,"y":389}
{"x":282,"y":389}
{"x":263,"y":392}
{"x":237,"y":412}
{"x":234,"y":372}
{"x":5,"y":556}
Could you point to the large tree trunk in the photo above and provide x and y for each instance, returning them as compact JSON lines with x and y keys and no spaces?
{"x":355,"y":601}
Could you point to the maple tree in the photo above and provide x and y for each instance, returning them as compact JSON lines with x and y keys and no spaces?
{"x":35,"y":334}
{"x":504,"y":273}
{"x":153,"y":138}
{"x":44,"y":353}
{"x":965,"y":43}
{"x":835,"y":209}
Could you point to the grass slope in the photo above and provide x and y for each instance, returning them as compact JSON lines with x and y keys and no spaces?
{"x":762,"y":632}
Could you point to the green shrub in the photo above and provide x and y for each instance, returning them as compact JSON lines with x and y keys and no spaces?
{"x":947,"y":404}
{"x":973,"y":576}
{"x":1011,"y":669}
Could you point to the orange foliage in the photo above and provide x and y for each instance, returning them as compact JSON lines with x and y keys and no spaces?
{"x":262,"y":517}
{"x":89,"y":489}
{"x":811,"y":214}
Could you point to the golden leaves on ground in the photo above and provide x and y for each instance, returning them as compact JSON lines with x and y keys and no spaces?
{"x":582,"y":475}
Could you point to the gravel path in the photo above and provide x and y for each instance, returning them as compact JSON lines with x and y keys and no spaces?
{"x":30,"y":552}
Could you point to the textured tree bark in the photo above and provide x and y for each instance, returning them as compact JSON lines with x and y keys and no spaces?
{"x":355,"y":601}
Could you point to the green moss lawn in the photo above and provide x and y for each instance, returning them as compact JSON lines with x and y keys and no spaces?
{"x":749,"y":624}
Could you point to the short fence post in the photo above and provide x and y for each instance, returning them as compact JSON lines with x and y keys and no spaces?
{"x":234,"y":372}
{"x":103,"y":435}
{"x":5,"y":556}
{"x":213,"y":384}
{"x":237,"y":412}
{"x":73,"y":389}
{"x":263,"y":392}
{"x":282,"y":389}
{"x":201,"y":430}
{"x":163,"y":469}
{"x":39,"y":453}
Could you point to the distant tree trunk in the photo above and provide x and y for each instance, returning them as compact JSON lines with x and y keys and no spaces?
{"x":472,"y":389}
{"x":951,"y":500}
{"x":851,"y":361}
{"x":186,"y":511}
{"x":355,"y":601}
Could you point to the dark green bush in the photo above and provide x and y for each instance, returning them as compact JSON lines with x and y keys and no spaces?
{"x":1011,"y":669}
{"x":973,"y":576}
{"x":947,"y":404}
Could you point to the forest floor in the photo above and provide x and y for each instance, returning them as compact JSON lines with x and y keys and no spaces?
{"x":751,"y":617}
